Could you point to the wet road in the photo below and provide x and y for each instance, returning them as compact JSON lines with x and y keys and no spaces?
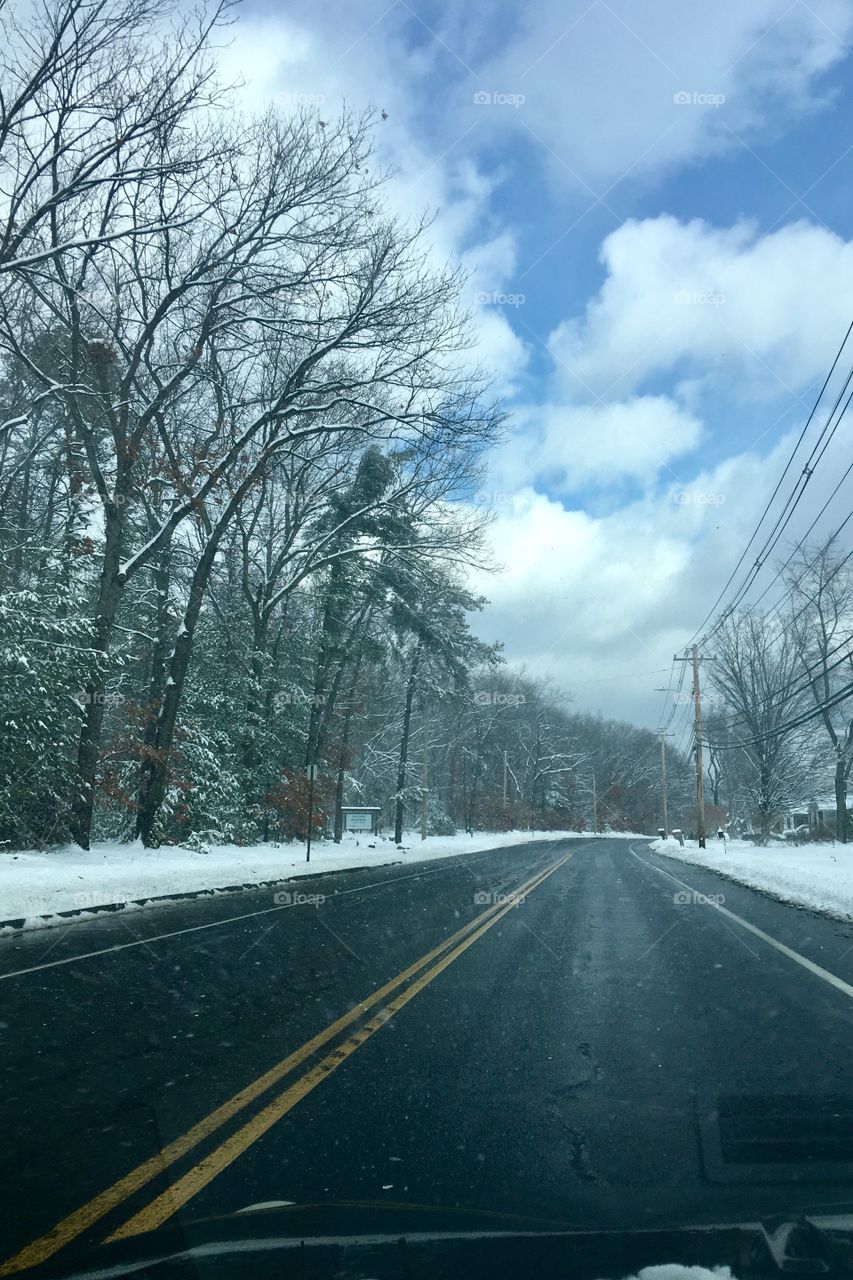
{"x":582,"y":1032}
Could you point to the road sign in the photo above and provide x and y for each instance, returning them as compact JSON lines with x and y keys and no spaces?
{"x":359,"y":822}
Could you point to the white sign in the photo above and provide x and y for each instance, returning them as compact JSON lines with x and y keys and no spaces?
{"x":359,"y":822}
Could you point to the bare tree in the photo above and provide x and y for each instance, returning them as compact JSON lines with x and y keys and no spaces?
{"x":821,"y":595}
{"x":90,"y":94}
{"x":756,"y":672}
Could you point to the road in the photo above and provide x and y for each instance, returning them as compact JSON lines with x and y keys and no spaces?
{"x":580,"y":1032}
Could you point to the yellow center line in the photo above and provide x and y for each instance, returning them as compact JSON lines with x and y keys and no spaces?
{"x":153,"y":1215}
{"x":88,"y":1214}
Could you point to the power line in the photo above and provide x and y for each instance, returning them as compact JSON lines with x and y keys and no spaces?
{"x":796,"y":723}
{"x":675,"y":700}
{"x":667,"y":692}
{"x":776,"y":490}
{"x":662,"y":727}
{"x":802,"y":541}
{"x":625,"y":675}
{"x":782,"y":520}
{"x":820,"y":668}
{"x":775,"y":608}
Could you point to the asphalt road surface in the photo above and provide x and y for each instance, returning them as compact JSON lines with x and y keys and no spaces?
{"x":580,"y":1033}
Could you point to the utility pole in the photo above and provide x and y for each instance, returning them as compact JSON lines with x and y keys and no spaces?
{"x":312,"y":774}
{"x":697,"y":706}
{"x":505,"y":769}
{"x":424,"y":824}
{"x":594,"y":806}
{"x":700,"y":782}
{"x":663,"y":735}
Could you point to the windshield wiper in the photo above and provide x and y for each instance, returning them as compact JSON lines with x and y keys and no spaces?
{"x":800,"y":1246}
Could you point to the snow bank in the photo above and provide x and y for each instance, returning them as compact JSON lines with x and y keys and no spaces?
{"x":38,"y":885}
{"x":677,"y":1271}
{"x":817,"y":876}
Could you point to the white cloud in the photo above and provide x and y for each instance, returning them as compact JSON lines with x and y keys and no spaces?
{"x":569,"y":446}
{"x":601,"y":80}
{"x":584,"y":597}
{"x":293,"y":63}
{"x":762,"y":314}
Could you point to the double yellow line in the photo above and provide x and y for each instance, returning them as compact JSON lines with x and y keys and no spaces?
{"x":412,"y":979}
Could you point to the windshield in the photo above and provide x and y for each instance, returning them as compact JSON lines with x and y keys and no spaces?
{"x":426,"y":621}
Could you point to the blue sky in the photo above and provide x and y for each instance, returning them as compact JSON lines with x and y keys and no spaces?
{"x":663,"y":193}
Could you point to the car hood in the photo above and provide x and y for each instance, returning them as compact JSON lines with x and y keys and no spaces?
{"x":360,"y":1239}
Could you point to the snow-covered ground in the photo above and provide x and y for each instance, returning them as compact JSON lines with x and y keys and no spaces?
{"x":38,"y":885}
{"x":817,"y":876}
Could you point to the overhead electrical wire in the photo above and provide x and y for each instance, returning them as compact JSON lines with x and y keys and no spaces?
{"x":805,"y":476}
{"x":840,"y":696}
{"x":675,"y":702}
{"x":782,"y":520}
{"x":820,"y":669}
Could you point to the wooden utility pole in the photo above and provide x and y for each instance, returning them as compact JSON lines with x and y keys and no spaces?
{"x":312,"y":771}
{"x":700,"y":781}
{"x":505,"y":767}
{"x":663,"y":735}
{"x":424,"y":780}
{"x":697,"y":706}
{"x":594,"y":806}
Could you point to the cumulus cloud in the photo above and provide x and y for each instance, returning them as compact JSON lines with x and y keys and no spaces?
{"x":570,"y":446}
{"x":609,"y":87}
{"x":296,"y":63}
{"x":762,"y":315}
{"x":618,"y":87}
{"x":584,"y":596}
{"x":722,"y":315}
{"x":691,"y":321}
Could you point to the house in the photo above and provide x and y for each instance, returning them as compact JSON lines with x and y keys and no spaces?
{"x":818,"y":815}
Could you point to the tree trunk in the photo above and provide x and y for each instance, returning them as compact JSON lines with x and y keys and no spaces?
{"x":152,"y":787}
{"x":153,"y":782}
{"x":841,"y":800}
{"x":89,"y":742}
{"x":765,"y":805}
{"x":342,"y":759}
{"x":404,"y":743}
{"x":159,"y":658}
{"x":255,"y":704}
{"x":324,"y":704}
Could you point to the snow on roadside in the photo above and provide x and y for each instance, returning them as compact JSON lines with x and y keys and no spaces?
{"x":817,"y":876}
{"x":36,"y":885}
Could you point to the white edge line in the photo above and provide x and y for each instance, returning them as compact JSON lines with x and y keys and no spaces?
{"x":816,"y":969}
